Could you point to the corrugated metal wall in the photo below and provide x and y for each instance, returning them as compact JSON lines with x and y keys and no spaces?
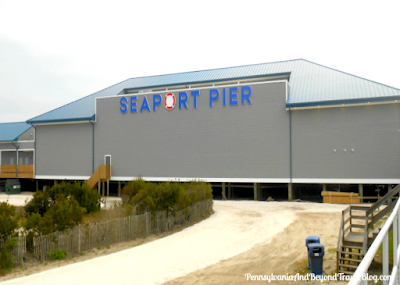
{"x":242,"y":141}
{"x":64,"y":150}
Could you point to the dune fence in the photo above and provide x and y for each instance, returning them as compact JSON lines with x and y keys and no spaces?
{"x":85,"y":237}
{"x":17,"y":254}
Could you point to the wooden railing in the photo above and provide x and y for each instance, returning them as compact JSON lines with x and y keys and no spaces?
{"x":342,"y":233}
{"x":10,"y":171}
{"x":373,"y":215}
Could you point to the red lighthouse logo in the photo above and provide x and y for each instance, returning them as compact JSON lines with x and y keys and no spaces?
{"x":169,"y":101}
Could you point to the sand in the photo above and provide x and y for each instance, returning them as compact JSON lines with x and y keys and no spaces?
{"x":16,"y":199}
{"x":241,"y":237}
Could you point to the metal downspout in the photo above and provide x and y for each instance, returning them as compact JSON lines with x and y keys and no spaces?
{"x":90,"y":121}
{"x":290,"y":146}
{"x":34,"y":151}
{"x":16,"y":164}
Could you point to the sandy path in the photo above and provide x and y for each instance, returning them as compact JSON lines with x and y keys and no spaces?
{"x":237,"y":228}
{"x":285,"y":254}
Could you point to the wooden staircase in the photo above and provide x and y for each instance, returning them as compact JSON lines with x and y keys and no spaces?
{"x":359,"y":227}
{"x":103,"y":173}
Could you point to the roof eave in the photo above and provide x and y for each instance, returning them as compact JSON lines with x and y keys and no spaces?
{"x":55,"y":121}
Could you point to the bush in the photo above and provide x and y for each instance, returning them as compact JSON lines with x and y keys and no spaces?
{"x":6,"y":262}
{"x":8,"y":226}
{"x":57,"y":254}
{"x":8,"y":220}
{"x":85,"y":196}
{"x":168,"y":196}
{"x":60,"y":207}
{"x":133,"y":188}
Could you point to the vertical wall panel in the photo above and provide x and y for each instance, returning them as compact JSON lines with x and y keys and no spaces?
{"x":64,"y":150}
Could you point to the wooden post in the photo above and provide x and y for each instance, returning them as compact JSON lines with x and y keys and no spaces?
{"x":37,"y":185}
{"x":290,"y":192}
{"x":361,"y":192}
{"x":99,"y":186}
{"x":119,"y":188}
{"x":223,"y":191}
{"x":229,"y":191}
{"x":108,"y":187}
{"x":79,"y":238}
{"x":255,"y":190}
{"x":103,"y":188}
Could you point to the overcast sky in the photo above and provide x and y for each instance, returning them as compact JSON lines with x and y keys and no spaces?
{"x":55,"y":52}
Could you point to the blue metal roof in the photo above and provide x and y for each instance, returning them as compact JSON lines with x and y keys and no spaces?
{"x":311,"y":84}
{"x":11,"y":131}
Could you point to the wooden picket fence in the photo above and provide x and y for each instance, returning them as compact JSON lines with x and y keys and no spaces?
{"x":17,"y":254}
{"x":88,"y":236}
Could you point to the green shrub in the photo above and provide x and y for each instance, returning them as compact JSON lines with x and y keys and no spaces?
{"x":63,"y":214}
{"x":85,"y":196}
{"x":57,"y":254}
{"x":8,"y":220}
{"x":131,"y":189}
{"x":6,"y":262}
{"x":60,"y":207}
{"x":198,"y":191}
{"x":168,"y":196}
{"x":39,"y":203}
{"x":8,"y":226}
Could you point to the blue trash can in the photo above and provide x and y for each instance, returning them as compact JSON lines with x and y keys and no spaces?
{"x":311,"y":239}
{"x":316,"y":254}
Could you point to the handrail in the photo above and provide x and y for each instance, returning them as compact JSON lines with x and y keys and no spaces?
{"x":381,"y":214}
{"x":383,"y":200}
{"x":341,"y":230}
{"x":365,"y":241}
{"x":340,"y":238}
{"x":370,"y":254}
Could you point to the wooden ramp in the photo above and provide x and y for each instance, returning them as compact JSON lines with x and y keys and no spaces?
{"x":359,"y":227}
{"x":103,"y":173}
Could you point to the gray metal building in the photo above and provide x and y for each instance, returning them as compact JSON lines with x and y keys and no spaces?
{"x":291,"y":122}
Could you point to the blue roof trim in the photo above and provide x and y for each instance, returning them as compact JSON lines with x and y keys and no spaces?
{"x":10,"y":132}
{"x":344,"y":102}
{"x":38,"y":122}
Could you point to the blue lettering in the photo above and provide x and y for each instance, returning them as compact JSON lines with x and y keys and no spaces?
{"x":133,"y":104}
{"x":195,"y":94}
{"x":183,"y":99}
{"x":246,"y":93}
{"x":233,"y":95}
{"x":224,"y":97}
{"x":123,"y":101}
{"x":214,"y":95}
{"x":157,"y":100}
{"x":145,"y":105}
